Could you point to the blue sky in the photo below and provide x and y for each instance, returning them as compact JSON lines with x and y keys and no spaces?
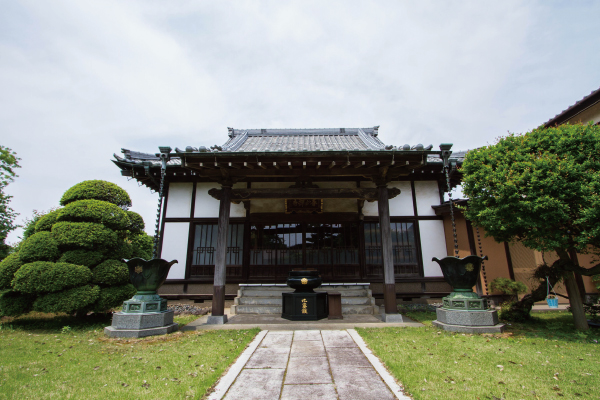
{"x":80,"y":80}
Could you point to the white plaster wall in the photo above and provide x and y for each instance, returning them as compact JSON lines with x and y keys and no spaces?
{"x":427,"y":194}
{"x":433,"y":244}
{"x":370,"y":208}
{"x":208,"y":207}
{"x":401,"y":205}
{"x":175,"y":246}
{"x":179,"y":200}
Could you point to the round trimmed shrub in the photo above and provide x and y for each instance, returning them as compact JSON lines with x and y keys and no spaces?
{"x":89,"y":258}
{"x":67,"y":301}
{"x":123,"y":249}
{"x":86,"y":235}
{"x":46,"y":221}
{"x":136,"y":222}
{"x":110,"y":273}
{"x":142,"y":245}
{"x":44,"y":276}
{"x":41,"y":246}
{"x":8,"y":267}
{"x":97,"y":190}
{"x":13,"y":304}
{"x":108,"y":214}
{"x":112,"y":297}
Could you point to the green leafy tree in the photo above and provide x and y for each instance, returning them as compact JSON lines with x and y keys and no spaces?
{"x":9,"y":162}
{"x":541,"y":188}
{"x":70,"y":261}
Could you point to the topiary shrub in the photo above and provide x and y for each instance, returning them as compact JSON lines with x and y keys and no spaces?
{"x":97,"y":190}
{"x":45,"y":222}
{"x":13,"y":304}
{"x":111,"y":272}
{"x":41,"y":246}
{"x":142,"y":245}
{"x":44,"y":276}
{"x":136,"y":222}
{"x":112,"y":297}
{"x":123,"y":250}
{"x":108,"y":214}
{"x":86,"y":235}
{"x":67,"y":301}
{"x":8,"y":267}
{"x":89,"y":258}
{"x":508,"y":286}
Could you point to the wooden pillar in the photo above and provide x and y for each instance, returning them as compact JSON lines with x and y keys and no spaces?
{"x":389,"y":286}
{"x":218,"y":306}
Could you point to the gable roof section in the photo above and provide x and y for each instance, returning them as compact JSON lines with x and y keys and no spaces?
{"x":583,"y":104}
{"x":334,"y":139}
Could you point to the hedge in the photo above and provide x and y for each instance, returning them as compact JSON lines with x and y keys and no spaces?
{"x":113,"y":297}
{"x":108,"y":214}
{"x":86,"y":235}
{"x":8,"y":267}
{"x":97,"y":190}
{"x":46,"y":221}
{"x":67,"y":301}
{"x":41,"y":246}
{"x":111,"y":272}
{"x":44,"y":276}
{"x":136,"y":222}
{"x":13,"y":304}
{"x":89,"y":258}
{"x":142,"y":245}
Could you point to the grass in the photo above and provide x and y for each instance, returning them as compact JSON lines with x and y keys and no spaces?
{"x":542,"y":359}
{"x":45,"y":357}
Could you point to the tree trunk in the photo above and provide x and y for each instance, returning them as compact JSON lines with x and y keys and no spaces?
{"x":579,"y":318}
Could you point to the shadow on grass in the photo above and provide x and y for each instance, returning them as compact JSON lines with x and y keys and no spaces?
{"x":55,"y":323}
{"x":547,"y":325}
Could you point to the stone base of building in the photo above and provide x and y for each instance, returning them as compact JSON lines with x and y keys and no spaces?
{"x":141,"y":325}
{"x":391,"y":318}
{"x":468,"y":321}
{"x":216,"y":320}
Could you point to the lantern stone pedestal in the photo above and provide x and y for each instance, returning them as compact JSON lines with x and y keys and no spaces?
{"x":463,"y":310}
{"x":145,"y":314}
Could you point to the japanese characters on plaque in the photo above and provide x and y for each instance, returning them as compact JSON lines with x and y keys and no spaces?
{"x":304,"y":306}
{"x":303,"y":206}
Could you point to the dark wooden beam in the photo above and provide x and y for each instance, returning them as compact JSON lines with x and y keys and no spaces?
{"x":368,"y":194}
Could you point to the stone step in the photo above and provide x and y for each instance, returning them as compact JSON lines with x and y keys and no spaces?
{"x":272,"y":309}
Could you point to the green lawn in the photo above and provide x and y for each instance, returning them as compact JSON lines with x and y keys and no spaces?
{"x":543,"y":359}
{"x":63,"y":357}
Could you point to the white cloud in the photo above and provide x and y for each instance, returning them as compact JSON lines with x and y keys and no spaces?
{"x":80,"y":80}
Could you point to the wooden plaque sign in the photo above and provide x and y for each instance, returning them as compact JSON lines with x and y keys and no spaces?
{"x":303,"y":206}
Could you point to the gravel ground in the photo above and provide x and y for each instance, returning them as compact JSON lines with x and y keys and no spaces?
{"x":189,"y":309}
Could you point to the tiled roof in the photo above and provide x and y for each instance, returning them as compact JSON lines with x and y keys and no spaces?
{"x":245,"y":140}
{"x":570,"y":112}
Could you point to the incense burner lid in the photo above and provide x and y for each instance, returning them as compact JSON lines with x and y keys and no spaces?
{"x":304,"y":281}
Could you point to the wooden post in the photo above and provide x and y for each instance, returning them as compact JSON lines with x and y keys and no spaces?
{"x":218,"y":307}
{"x":389,"y":287}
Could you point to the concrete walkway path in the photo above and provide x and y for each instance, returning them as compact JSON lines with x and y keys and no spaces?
{"x":305,"y":365}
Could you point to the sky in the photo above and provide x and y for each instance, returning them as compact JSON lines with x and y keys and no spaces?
{"x":79,"y":80}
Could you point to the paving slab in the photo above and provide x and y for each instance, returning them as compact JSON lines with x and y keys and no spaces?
{"x":308,"y":348}
{"x":272,"y":357}
{"x":257,"y":384}
{"x":308,"y":335}
{"x":305,"y":365}
{"x":337,"y":339}
{"x":277,"y":340}
{"x":308,"y":370}
{"x":360,"y":383}
{"x":308,"y":392}
{"x":347,"y":357}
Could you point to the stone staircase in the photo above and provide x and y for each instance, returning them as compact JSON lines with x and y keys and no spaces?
{"x":266,"y":298}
